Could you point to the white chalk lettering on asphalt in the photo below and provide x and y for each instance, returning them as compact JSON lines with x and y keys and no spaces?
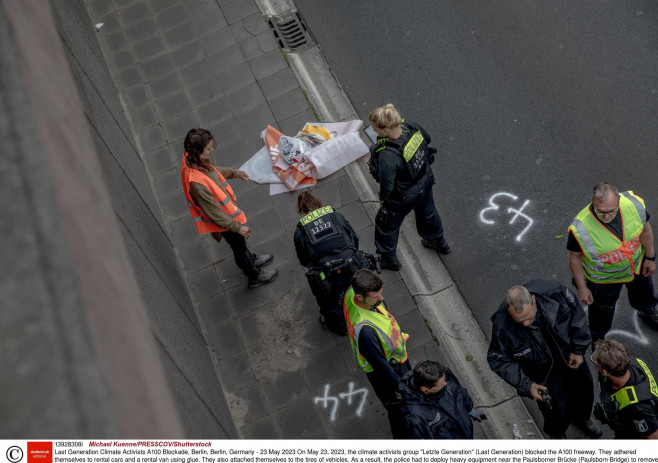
{"x":495,"y":209}
{"x":333,"y":401}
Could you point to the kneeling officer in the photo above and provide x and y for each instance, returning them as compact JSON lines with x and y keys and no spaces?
{"x":327,"y":244}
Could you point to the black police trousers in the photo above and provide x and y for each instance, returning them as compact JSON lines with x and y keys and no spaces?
{"x":389,"y":218}
{"x":572,"y":398}
{"x":641,"y":295}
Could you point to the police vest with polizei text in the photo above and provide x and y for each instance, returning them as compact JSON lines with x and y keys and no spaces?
{"x":204,"y":224}
{"x":413,"y":150}
{"x":324,"y":232}
{"x":605,"y":258}
{"x":391,"y":337}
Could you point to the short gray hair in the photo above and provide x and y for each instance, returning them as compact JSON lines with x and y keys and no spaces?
{"x":602,"y":189}
{"x":517,"y":298}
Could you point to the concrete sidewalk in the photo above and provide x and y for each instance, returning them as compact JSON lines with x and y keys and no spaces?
{"x":215,"y":64}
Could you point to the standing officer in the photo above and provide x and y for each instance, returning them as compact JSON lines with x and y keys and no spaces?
{"x":213,"y":205}
{"x":538,"y":340}
{"x":378,"y":344}
{"x":629,"y":397}
{"x":327,"y":244}
{"x":435,"y":405}
{"x":400,"y":162}
{"x":611,"y":245}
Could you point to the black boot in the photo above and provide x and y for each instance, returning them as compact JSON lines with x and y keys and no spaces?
{"x":263,"y":278}
{"x":391,"y":263}
{"x":263,"y":260}
{"x":440,"y":246}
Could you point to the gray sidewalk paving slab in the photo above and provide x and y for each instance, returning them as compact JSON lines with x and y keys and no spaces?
{"x":248,"y":406}
{"x":200,"y":7}
{"x":162,"y":5}
{"x":205,"y":92}
{"x":141,"y":30}
{"x":214,"y":112}
{"x":245,"y":98}
{"x":143,"y":117}
{"x":226,"y":58}
{"x":160,"y":161}
{"x":235,"y":78}
{"x":195,"y":256}
{"x":179,"y":35}
{"x":180,"y":123}
{"x":187,"y":53}
{"x":267,"y":64}
{"x":253,"y":121}
{"x":258,"y":45}
{"x":148,"y":48}
{"x":131,"y":14}
{"x":164,"y":85}
{"x":129,"y":77}
{"x":202,"y":283}
{"x":289,"y":104}
{"x":171,"y":17}
{"x":210,"y":20}
{"x":194,"y":73}
{"x":238,"y":10}
{"x":295,"y":123}
{"x":153,"y":137}
{"x":254,"y":24}
{"x":121,"y":59}
{"x":216,"y":40}
{"x":117,"y":41}
{"x":299,"y":422}
{"x":278,"y":83}
{"x":242,"y":374}
{"x":224,"y":340}
{"x":213,"y":311}
{"x":173,"y":207}
{"x":135,"y":97}
{"x":153,"y":68}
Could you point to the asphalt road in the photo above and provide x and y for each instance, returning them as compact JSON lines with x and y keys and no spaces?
{"x":530,"y":105}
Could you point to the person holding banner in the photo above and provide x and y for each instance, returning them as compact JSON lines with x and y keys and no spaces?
{"x":212,"y":204}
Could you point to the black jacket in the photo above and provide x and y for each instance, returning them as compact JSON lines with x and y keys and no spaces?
{"x":436,"y":416}
{"x":308,"y":256}
{"x":520,"y":354}
{"x":636,"y":421}
{"x":394,"y":177}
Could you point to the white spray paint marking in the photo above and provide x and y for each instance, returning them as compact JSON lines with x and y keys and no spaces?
{"x":637,"y":336}
{"x":364,"y":395}
{"x":351,"y":392}
{"x":516,"y":212}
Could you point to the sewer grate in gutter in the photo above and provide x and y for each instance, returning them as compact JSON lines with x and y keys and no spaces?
{"x":290,"y":31}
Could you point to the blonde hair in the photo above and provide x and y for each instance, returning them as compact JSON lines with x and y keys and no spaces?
{"x":385,"y":117}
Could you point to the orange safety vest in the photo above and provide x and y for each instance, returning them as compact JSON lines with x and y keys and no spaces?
{"x":205,"y":224}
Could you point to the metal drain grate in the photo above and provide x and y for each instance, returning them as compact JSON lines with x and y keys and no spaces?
{"x":290,"y":31}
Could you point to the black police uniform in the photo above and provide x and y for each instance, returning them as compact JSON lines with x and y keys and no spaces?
{"x":444,"y":415}
{"x":539,"y":353}
{"x":405,"y":184}
{"x":327,"y":244}
{"x":637,"y":420}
